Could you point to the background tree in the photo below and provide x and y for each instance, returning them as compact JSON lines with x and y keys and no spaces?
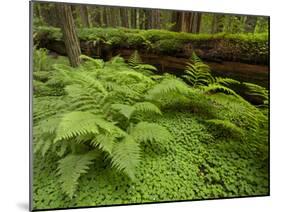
{"x":250,"y":24}
{"x":84,"y":15}
{"x":70,"y":38}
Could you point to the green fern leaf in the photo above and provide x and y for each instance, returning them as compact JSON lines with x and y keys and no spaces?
{"x":220,"y":88}
{"x":145,"y":131}
{"x":71,"y":168}
{"x":104,"y":141}
{"x":135,"y":59}
{"x":147,"y":107}
{"x":227,"y":125}
{"x":166,"y":87}
{"x":125,"y":110}
{"x":126,"y":156}
{"x":76,"y":123}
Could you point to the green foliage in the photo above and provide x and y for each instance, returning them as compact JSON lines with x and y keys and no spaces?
{"x":126,"y":156}
{"x":40,"y":62}
{"x":86,"y":122}
{"x":168,"y":86}
{"x":143,"y":107}
{"x":226,"y":126}
{"x":243,"y":46}
{"x":113,"y":109}
{"x":258,"y":91}
{"x":70,"y":169}
{"x":197,"y":73}
{"x":135,"y":59}
{"x":145,"y":131}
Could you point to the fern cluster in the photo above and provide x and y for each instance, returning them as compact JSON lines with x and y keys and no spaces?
{"x":104,"y":109}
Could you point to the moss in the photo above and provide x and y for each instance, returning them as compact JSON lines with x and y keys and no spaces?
{"x":193,"y":166}
{"x":247,"y":45}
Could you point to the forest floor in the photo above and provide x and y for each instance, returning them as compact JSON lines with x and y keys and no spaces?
{"x":193,"y":166}
{"x":197,"y":164}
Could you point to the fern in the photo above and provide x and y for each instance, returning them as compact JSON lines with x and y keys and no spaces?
{"x":215,"y":87}
{"x":126,"y":156}
{"x":104,"y":141}
{"x":145,"y":131}
{"x":226,"y":81}
{"x":197,"y":73}
{"x":227,"y":125}
{"x":256,"y":90}
{"x":166,"y":87}
{"x":135,"y":59}
{"x":143,"y":107}
{"x":92,"y":63}
{"x":145,"y":67}
{"x":76,"y":123}
{"x":71,"y":168}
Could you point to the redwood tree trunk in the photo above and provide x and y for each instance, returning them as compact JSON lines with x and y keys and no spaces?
{"x":70,"y":38}
{"x":84,"y":16}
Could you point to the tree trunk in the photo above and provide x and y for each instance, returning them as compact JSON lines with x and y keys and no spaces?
{"x":133,"y":18}
{"x":70,"y":38}
{"x":84,"y":16}
{"x":124,"y":17}
{"x":250,"y":24}
{"x":153,"y":19}
{"x":217,"y":23}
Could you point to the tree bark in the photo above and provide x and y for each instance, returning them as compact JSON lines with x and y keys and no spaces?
{"x":124,"y":17}
{"x":133,"y":18}
{"x":70,"y":38}
{"x":84,"y":16}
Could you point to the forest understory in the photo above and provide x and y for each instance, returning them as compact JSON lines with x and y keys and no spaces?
{"x":140,"y":113}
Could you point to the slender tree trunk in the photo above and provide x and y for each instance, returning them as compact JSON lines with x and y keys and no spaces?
{"x":124,"y":17}
{"x":250,"y":24}
{"x":153,"y":19}
{"x":217,"y":23}
{"x":133,"y":18}
{"x":70,"y":38}
{"x":84,"y":16}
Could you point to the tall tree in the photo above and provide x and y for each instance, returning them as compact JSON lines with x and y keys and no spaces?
{"x":84,"y":15}
{"x":153,"y":19}
{"x":250,"y":24}
{"x":70,"y":38}
{"x":124,"y":17}
{"x":133,"y":18}
{"x":218,"y":23}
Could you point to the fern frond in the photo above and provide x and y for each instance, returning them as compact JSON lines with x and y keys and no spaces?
{"x":142,"y":107}
{"x":197,"y":73}
{"x":71,"y":168}
{"x":135,"y":59}
{"x":226,"y":81}
{"x":256,"y":90}
{"x":147,"y":107}
{"x":220,"y":88}
{"x":76,"y":123}
{"x":104,"y":142}
{"x":125,"y":110}
{"x":145,"y":131}
{"x":168,"y":86}
{"x":227,"y":125}
{"x":145,"y":67}
{"x":96,"y":63}
{"x":126,"y":156}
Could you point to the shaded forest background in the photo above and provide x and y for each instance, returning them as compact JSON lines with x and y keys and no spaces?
{"x":139,"y":18}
